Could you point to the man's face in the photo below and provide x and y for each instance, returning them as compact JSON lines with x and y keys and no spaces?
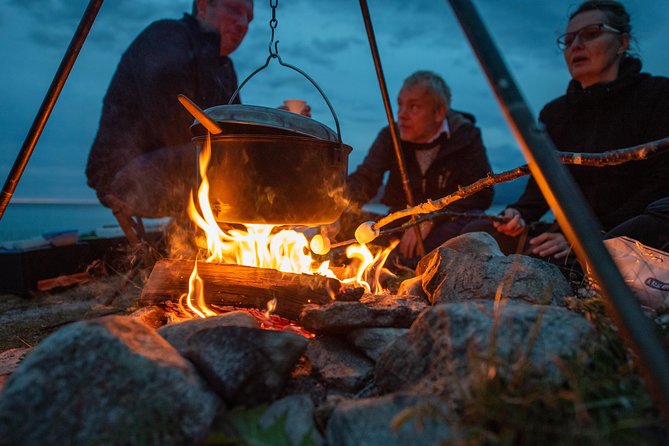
{"x":229,"y":18}
{"x":418,"y":118}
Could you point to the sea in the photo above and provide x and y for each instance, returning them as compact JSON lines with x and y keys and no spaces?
{"x":33,"y":218}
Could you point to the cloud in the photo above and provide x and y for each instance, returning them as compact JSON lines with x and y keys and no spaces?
{"x":53,"y":21}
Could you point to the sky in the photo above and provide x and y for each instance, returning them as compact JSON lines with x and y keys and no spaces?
{"x":326,"y":39}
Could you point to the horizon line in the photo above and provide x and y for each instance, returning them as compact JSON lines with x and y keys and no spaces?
{"x":54,"y":200}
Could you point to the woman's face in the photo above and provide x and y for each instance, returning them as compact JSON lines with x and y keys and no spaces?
{"x":596,"y":60}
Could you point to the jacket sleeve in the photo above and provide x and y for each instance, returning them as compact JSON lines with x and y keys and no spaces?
{"x":364,"y":183}
{"x":655,"y":183}
{"x":531,"y":203}
{"x":473,"y":166}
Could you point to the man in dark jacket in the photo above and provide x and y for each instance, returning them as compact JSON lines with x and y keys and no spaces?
{"x":442,"y":150}
{"x":142,"y":155}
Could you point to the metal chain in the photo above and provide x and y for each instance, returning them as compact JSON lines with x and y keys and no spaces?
{"x":273,"y":24}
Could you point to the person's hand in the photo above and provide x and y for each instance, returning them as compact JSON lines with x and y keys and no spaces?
{"x":409,"y":242}
{"x":514,"y":226}
{"x":550,"y":244}
{"x":304,"y":109}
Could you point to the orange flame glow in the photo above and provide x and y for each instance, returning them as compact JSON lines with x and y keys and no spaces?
{"x":261,"y":247}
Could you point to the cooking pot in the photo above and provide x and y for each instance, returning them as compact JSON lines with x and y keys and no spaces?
{"x":271,"y":166}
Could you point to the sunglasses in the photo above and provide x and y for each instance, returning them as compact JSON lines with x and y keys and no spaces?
{"x":586,"y":34}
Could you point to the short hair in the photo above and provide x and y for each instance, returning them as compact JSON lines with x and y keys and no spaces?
{"x":615,"y":12}
{"x":434,"y":83}
{"x":194,"y":11}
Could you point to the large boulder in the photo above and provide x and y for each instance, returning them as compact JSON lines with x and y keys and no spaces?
{"x":111,"y":381}
{"x":245,"y":365}
{"x":471,"y":266}
{"x":392,"y":420}
{"x":179,"y":333}
{"x":449,"y":343}
{"x":339,"y":365}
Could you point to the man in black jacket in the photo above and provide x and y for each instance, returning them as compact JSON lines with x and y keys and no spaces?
{"x":442,"y":150}
{"x":142,"y":156}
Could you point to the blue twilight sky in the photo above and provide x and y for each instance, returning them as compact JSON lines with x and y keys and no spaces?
{"x":326,"y":39}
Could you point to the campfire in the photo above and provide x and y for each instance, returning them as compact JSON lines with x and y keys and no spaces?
{"x":267,"y":268}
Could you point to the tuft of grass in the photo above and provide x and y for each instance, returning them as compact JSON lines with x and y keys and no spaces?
{"x":602,"y":401}
{"x":249,"y":432}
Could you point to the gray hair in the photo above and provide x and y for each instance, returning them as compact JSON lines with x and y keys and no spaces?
{"x":434,"y":83}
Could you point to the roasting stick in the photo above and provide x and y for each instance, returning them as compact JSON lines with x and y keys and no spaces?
{"x":320,"y":243}
{"x":368,"y":231}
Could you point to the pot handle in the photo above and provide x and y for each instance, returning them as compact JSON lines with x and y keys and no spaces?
{"x":292,"y":67}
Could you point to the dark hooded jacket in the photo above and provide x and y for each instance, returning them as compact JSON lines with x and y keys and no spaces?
{"x":460,"y":161}
{"x":141,"y":112}
{"x":632,"y":110}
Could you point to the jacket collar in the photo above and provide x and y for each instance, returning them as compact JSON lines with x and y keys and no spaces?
{"x":629,"y":74}
{"x":211,"y":40}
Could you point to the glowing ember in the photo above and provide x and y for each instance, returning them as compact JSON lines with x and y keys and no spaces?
{"x":261,"y":246}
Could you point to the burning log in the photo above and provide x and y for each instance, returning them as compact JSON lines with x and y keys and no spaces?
{"x":240,"y":286}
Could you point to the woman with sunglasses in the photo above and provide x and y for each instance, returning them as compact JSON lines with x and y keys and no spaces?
{"x":609,"y":104}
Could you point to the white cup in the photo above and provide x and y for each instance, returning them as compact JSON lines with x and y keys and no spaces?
{"x":295,"y":105}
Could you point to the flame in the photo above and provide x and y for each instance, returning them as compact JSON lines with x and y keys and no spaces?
{"x":261,"y":246}
{"x":369,"y":264}
{"x":271,"y":306}
{"x":195,"y":293}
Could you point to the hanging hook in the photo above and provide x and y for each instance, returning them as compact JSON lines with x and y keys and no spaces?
{"x":272,"y":25}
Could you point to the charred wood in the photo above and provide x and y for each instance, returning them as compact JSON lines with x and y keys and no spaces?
{"x":241,"y":286}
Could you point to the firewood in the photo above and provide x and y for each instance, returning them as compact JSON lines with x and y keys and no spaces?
{"x":240,"y":286}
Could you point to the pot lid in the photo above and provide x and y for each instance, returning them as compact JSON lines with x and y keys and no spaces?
{"x":255,"y":119}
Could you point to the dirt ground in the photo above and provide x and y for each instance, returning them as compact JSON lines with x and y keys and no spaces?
{"x":25,"y":321}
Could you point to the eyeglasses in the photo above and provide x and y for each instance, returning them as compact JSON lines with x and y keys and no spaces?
{"x":586,"y":34}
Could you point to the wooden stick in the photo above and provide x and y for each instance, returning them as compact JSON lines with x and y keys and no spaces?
{"x":462,"y":192}
{"x":241,"y":286}
{"x":200,"y":115}
{"x":426,"y":217}
{"x":609,"y":158}
{"x":615,"y":157}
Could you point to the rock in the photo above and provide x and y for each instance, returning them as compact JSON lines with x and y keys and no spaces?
{"x":339,"y":365}
{"x":372,"y":341}
{"x":468,"y":268}
{"x":472,"y":243}
{"x":111,"y":380}
{"x":413,"y":287}
{"x":393,"y":420}
{"x":371,"y":311}
{"x":449,"y":342}
{"x":9,"y":362}
{"x":245,"y":365}
{"x":178,"y":333}
{"x":298,"y":411}
{"x":153,"y":316}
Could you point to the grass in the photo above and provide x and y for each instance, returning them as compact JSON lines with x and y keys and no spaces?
{"x":603,"y":400}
